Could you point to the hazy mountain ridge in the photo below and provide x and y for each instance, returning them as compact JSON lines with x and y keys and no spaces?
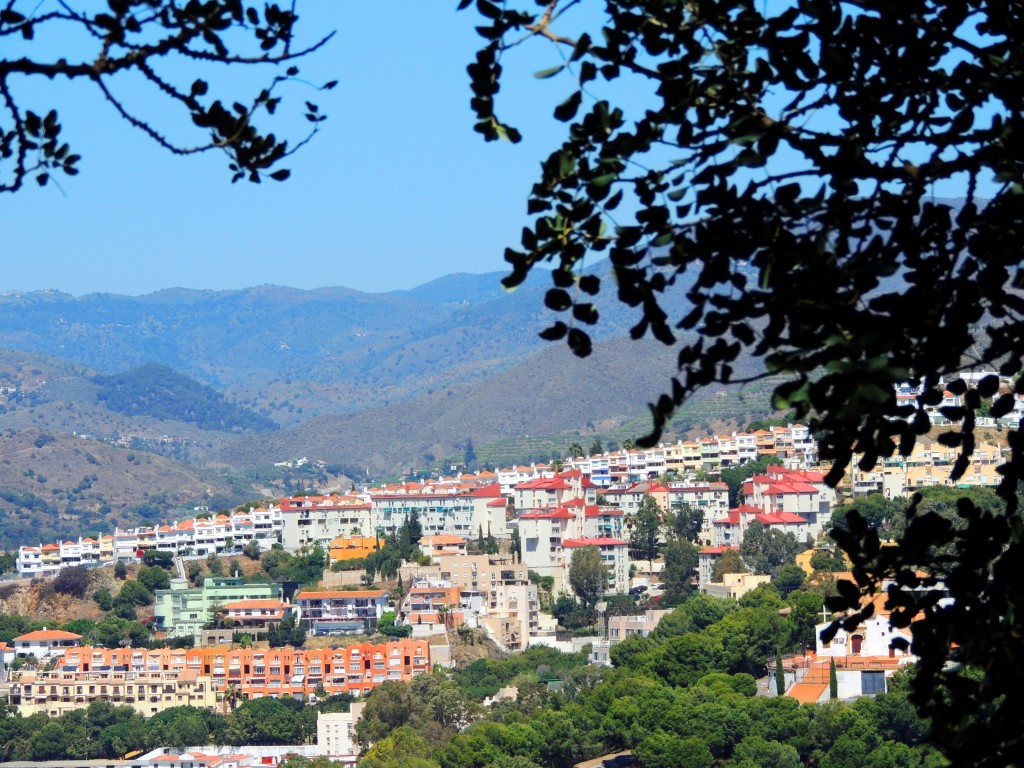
{"x":343,"y":350}
{"x":367,"y":383}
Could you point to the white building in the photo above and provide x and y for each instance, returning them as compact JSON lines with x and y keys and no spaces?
{"x":336,"y":732}
{"x":44,"y":642}
{"x":310,"y":520}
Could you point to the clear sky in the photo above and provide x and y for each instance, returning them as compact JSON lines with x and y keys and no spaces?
{"x":396,"y":190}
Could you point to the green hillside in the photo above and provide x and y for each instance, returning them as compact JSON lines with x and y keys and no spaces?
{"x":157,"y":391}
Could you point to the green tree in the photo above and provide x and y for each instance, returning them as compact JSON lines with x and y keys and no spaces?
{"x":595,"y":447}
{"x":252,"y":550}
{"x":588,"y":575}
{"x":681,"y":560}
{"x":120,"y":570}
{"x":757,"y":751}
{"x":386,"y":626}
{"x":133,"y":592}
{"x":644,"y":525}
{"x":107,"y":46}
{"x":780,"y":674}
{"x":789,"y":578}
{"x":194,"y":571}
{"x":153,"y":578}
{"x":103,"y":599}
{"x":516,"y":546}
{"x":287,"y":632}
{"x":729,"y":561}
{"x":73,"y":581}
{"x":782,"y":148}
{"x":575,"y":450}
{"x":685,"y":522}
{"x":833,"y":679}
{"x":830,"y":562}
{"x":766,"y":549}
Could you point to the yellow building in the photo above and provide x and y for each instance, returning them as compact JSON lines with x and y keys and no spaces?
{"x":56,"y":692}
{"x":351,"y":548}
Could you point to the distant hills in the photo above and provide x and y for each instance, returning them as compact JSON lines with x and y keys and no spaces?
{"x":158,"y":391}
{"x":291,"y":354}
{"x":215,"y":388}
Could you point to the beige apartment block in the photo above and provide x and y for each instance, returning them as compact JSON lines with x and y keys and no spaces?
{"x":57,"y":692}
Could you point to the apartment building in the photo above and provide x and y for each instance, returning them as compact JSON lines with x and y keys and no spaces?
{"x":336,"y":732}
{"x":307,"y":521}
{"x":707,"y":559}
{"x":334,"y":612}
{"x":929,"y":463}
{"x":274,"y":673}
{"x":497,"y":593}
{"x":798,"y":492}
{"x":47,"y":560}
{"x":439,"y":603}
{"x":59,"y":691}
{"x":554,"y":492}
{"x":729,"y":530}
{"x":710,"y":498}
{"x":198,"y":536}
{"x":614,"y":555}
{"x":462,"y":511}
{"x":183,"y":611}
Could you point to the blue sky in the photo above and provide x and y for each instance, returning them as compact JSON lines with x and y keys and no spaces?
{"x":396,"y":190}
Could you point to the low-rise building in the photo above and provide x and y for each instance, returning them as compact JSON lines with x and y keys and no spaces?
{"x":307,"y":521}
{"x":257,"y":615}
{"x":621,"y":627}
{"x":336,"y":732}
{"x":274,"y":673}
{"x":439,"y":544}
{"x":707,"y":559}
{"x":148,"y":691}
{"x":341,"y":612}
{"x":183,"y":611}
{"x":352,"y":548}
{"x":44,"y":643}
{"x":734,"y":585}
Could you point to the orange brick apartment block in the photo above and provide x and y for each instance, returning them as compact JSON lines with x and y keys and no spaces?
{"x":276,"y":672}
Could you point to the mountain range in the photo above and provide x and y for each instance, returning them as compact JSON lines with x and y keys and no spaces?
{"x":225,"y":384}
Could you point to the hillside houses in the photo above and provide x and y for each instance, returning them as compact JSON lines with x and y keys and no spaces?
{"x":151,"y":681}
{"x":558,"y":516}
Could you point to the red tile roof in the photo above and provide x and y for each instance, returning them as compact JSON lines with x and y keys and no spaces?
{"x":42,"y":635}
{"x":600,"y":542}
{"x":560,"y":513}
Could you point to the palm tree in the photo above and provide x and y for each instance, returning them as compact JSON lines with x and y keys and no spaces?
{"x":231,"y":698}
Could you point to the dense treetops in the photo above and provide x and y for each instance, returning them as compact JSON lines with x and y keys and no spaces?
{"x":160,"y":392}
{"x":683,"y":696}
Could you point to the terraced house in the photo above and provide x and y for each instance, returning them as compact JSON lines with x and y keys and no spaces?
{"x":157,"y":679}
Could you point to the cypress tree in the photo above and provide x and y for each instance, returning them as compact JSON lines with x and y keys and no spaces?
{"x":780,"y":675}
{"x":833,"y":680}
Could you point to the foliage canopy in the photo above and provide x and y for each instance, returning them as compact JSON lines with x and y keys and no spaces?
{"x":172,"y":46}
{"x":777,"y":198}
